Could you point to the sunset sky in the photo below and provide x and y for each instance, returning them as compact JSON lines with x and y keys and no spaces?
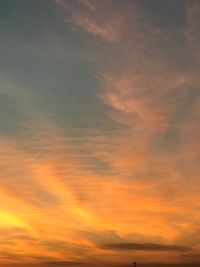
{"x":99,"y":133}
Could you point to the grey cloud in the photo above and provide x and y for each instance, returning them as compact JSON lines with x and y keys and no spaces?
{"x":182,"y":264}
{"x":55,"y":245}
{"x":191,"y":255}
{"x":64,"y":263}
{"x":145,"y":247}
{"x":11,"y":235}
{"x":102,"y":237}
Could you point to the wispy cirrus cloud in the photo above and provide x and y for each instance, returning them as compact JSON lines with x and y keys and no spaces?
{"x":146,"y":89}
{"x":134,"y":181}
{"x":96,"y":19}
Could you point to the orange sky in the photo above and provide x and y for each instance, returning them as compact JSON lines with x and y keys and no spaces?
{"x":99,"y":140}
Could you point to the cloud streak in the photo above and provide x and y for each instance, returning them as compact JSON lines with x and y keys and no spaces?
{"x":145,"y":247}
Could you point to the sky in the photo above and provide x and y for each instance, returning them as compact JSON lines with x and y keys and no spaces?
{"x":99,"y":133}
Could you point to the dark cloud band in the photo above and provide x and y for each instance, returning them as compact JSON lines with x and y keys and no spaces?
{"x":144,"y":247}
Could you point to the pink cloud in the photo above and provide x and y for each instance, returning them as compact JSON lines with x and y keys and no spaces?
{"x":95,"y":18}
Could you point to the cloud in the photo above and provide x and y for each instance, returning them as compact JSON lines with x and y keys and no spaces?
{"x":191,"y":256}
{"x":64,"y":263}
{"x":145,"y":247}
{"x":96,"y":19}
{"x":65,"y":190}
